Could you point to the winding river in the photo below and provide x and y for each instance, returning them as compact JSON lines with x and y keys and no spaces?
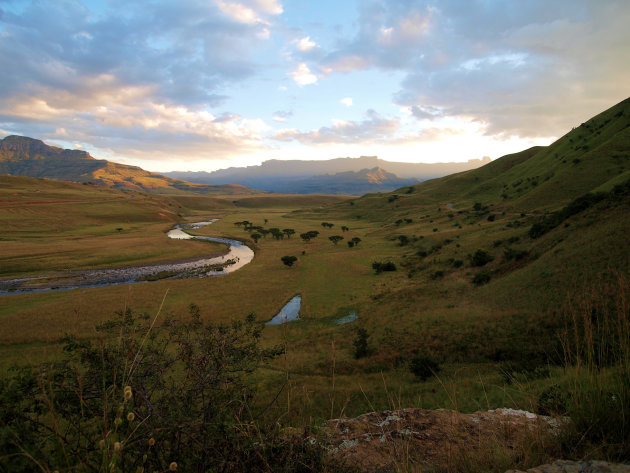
{"x":238,"y":255}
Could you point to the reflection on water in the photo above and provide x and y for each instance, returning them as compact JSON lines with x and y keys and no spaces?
{"x":351,"y":317}
{"x":238,"y":255}
{"x":290,"y":312}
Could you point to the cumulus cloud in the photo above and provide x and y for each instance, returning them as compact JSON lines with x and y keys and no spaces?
{"x":305,"y":44}
{"x":302,"y":75}
{"x":131,"y":79}
{"x":347,"y":101}
{"x":534,"y":69}
{"x":250,"y":13}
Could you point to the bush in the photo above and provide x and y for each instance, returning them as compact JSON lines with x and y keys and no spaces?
{"x":480,"y":258}
{"x":360,"y":343}
{"x":379,"y":267}
{"x":289,"y":260}
{"x":146,"y":396}
{"x":424,"y":367}
{"x":481,"y":278}
{"x":553,"y":401}
{"x":514,"y":254}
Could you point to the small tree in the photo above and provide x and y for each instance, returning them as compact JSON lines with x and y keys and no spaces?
{"x":344,"y":228}
{"x":305,"y":236}
{"x":288,"y":232}
{"x":356,"y":241}
{"x":256,"y":237}
{"x":335,"y":239}
{"x":350,"y":243}
{"x":313,"y":233}
{"x":289,"y":260}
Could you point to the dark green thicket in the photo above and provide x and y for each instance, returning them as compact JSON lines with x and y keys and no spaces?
{"x":148,"y":397}
{"x":551,"y":221}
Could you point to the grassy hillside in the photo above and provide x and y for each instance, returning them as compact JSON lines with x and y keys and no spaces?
{"x":23,"y":156}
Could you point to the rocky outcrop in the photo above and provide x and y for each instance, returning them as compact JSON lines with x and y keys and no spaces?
{"x":566,"y":466}
{"x":394,"y":440}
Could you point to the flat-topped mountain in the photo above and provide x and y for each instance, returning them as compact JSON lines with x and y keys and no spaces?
{"x":305,"y":177}
{"x":23,"y":156}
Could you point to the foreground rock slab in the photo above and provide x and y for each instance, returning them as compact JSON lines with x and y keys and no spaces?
{"x":566,"y":466}
{"x":443,"y":439}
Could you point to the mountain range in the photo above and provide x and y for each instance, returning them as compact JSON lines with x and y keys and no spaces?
{"x":23,"y":156}
{"x":353,"y":176}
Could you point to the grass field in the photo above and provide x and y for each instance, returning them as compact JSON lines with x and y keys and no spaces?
{"x":428,"y":306}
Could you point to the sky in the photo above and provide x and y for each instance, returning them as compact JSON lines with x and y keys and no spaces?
{"x":207,"y":84}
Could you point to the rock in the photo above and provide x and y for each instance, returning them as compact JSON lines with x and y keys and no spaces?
{"x":567,"y":466}
{"x":393,"y":440}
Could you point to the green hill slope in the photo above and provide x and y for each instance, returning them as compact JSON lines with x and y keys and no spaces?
{"x":592,"y":156}
{"x":23,"y":156}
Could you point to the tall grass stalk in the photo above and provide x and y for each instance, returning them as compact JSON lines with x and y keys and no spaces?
{"x":597,"y":358}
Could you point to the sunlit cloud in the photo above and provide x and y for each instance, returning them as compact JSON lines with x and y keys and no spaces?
{"x":347,"y":101}
{"x":305,"y":44}
{"x":302,"y":75}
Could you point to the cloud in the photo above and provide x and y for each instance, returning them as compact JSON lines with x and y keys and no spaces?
{"x":115,"y":78}
{"x":371,"y":130}
{"x":347,"y":101}
{"x":302,"y":75}
{"x":532,"y":69}
{"x":249,"y":12}
{"x":281,"y":116}
{"x":305,"y":44}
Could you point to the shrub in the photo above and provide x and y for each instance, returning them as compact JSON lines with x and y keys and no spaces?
{"x":553,"y":401}
{"x":379,"y":267}
{"x":481,"y":278}
{"x":360,"y":343}
{"x":514,"y":254}
{"x":289,"y":260}
{"x":146,"y":395}
{"x":480,"y":258}
{"x":424,"y":367}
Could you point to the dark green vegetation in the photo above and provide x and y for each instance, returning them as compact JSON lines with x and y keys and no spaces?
{"x":480,"y":313}
{"x":23,"y":156}
{"x":149,"y":397}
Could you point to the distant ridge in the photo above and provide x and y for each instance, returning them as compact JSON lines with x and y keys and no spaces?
{"x":304,"y":177}
{"x":29,"y":157}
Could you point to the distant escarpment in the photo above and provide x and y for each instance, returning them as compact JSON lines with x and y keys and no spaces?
{"x":23,"y":156}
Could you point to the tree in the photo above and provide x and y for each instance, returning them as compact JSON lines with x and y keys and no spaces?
{"x":288,"y":232}
{"x":276,"y":233}
{"x":350,"y":243}
{"x":335,"y":239}
{"x":356,"y":241}
{"x":256,"y":237}
{"x":344,"y":228}
{"x":403,"y":239}
{"x":312,"y":233}
{"x":305,"y":236}
{"x":289,"y":260}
